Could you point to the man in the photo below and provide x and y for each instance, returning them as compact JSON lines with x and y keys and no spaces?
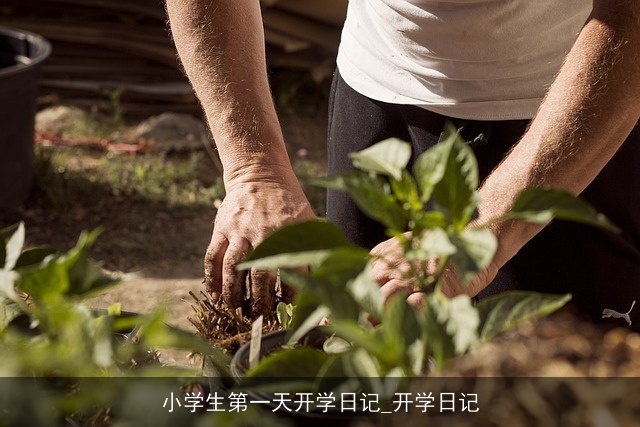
{"x":546,"y":93}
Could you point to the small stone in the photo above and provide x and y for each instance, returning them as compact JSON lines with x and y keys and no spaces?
{"x":173,"y":132}
{"x":61,"y":119}
{"x":576,"y":345}
{"x":633,"y":342}
{"x":615,"y":338}
{"x":558,"y":369}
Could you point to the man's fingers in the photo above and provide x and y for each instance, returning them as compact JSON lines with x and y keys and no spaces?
{"x":262,"y":292}
{"x":233,"y":280}
{"x":213,"y":260}
{"x":416,"y":299}
{"x":394,"y":286}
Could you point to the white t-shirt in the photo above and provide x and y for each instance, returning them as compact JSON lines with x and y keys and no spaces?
{"x":472,"y":59}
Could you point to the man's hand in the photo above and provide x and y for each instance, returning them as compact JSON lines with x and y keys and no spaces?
{"x":391,"y":270}
{"x":394,"y":274}
{"x":250,"y":211}
{"x":221,"y":47}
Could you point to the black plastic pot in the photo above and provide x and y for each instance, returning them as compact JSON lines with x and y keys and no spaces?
{"x":271,"y":342}
{"x":21,"y":56}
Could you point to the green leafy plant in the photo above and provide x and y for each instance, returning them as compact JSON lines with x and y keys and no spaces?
{"x":75,"y":355}
{"x":435,"y":204}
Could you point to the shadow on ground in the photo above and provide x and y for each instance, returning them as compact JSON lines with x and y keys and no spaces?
{"x":138,"y":234}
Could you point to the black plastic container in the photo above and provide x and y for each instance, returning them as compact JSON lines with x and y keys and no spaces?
{"x":273,"y":341}
{"x":21,"y":56}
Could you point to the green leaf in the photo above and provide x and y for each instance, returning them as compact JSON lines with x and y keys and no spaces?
{"x":34,"y":256}
{"x":541,"y":205}
{"x":9,"y":310}
{"x":11,"y":305}
{"x":102,"y":340}
{"x":155,"y":333}
{"x":73,"y":273}
{"x":125,"y":323}
{"x":320,"y":292}
{"x":46,"y":281}
{"x":429,"y":169}
{"x":300,"y":362}
{"x":284,"y":314}
{"x":335,"y":345}
{"x":5,"y":235}
{"x":334,"y":378}
{"x":114,"y":309}
{"x":416,"y":355}
{"x":298,"y":281}
{"x":309,"y":313}
{"x":363,"y":364}
{"x":100,"y":284}
{"x":287,"y":260}
{"x":439,"y":348}
{"x":327,"y":282}
{"x":304,"y":236}
{"x":459,"y":318}
{"x":83,"y":271}
{"x":433,"y":243}
{"x":406,"y":191}
{"x":506,"y":310}
{"x":372,"y":379}
{"x":388,"y":157}
{"x":372,"y":195}
{"x":13,"y":247}
{"x":400,"y":328}
{"x":429,"y":219}
{"x":369,"y":340}
{"x":456,"y":191}
{"x":342,"y":265}
{"x":305,"y":243}
{"x":334,"y":275}
{"x":366,"y":292}
{"x":8,"y":281}
{"x":475,"y":250}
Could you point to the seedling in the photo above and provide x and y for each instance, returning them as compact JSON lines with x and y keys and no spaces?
{"x":435,"y":204}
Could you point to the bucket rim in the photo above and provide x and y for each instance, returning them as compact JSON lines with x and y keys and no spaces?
{"x":32,"y":38}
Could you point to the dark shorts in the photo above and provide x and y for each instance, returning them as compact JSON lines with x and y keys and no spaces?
{"x":599,"y":268}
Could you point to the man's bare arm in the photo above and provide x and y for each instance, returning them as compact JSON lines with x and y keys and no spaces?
{"x":587,"y":114}
{"x":221,"y":46}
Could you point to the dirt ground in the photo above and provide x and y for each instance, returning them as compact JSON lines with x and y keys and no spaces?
{"x":163,"y":245}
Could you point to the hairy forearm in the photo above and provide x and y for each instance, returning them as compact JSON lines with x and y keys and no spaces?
{"x":587,"y":114}
{"x":221,"y":46}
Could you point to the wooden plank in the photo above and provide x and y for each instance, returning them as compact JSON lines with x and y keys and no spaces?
{"x":331,"y":12}
{"x":158,"y":89}
{"x":122,"y":40}
{"x":147,"y":33}
{"x":104,"y":45}
{"x":306,"y":29}
{"x":286,"y":42}
{"x":319,"y":67}
{"x":153,"y":9}
{"x":95,"y":68}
